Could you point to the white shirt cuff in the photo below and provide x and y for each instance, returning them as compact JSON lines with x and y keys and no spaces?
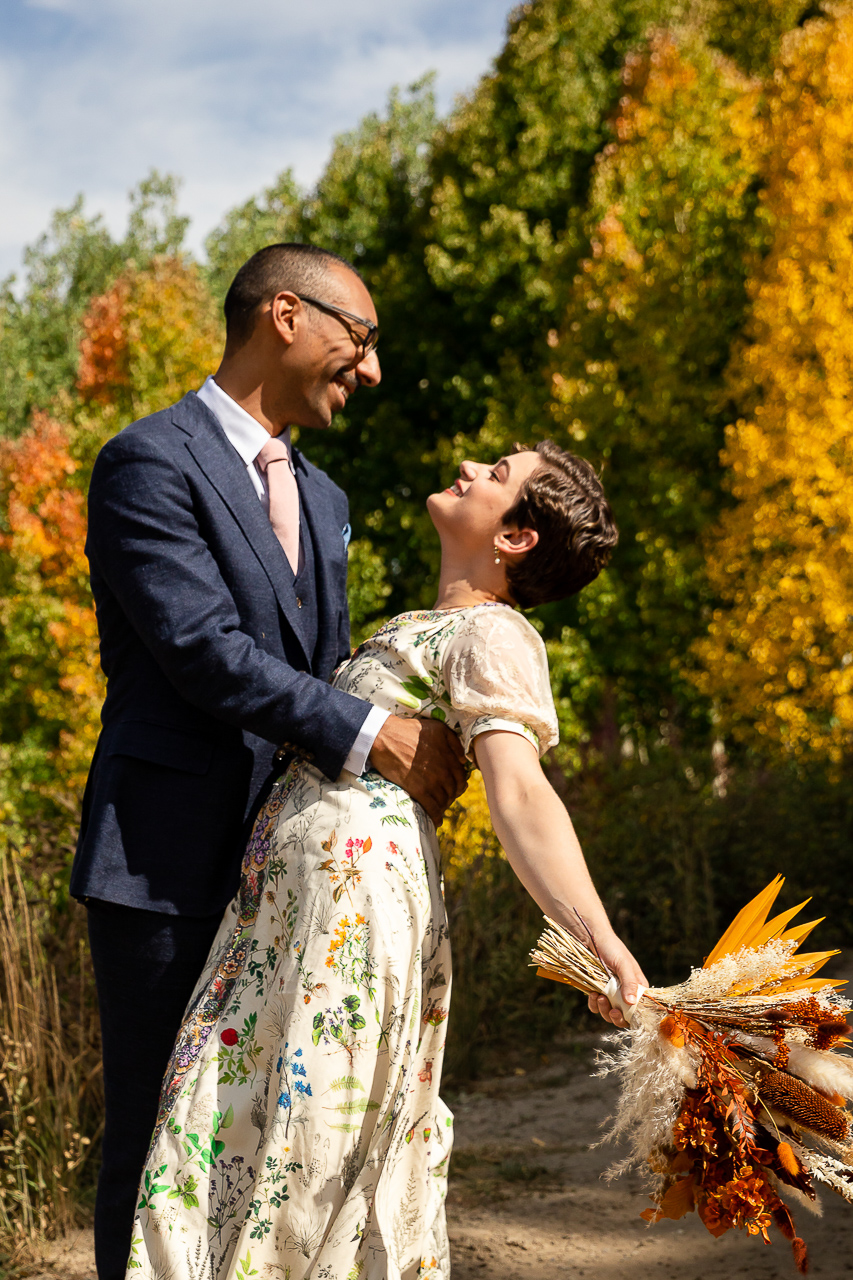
{"x":367,"y":734}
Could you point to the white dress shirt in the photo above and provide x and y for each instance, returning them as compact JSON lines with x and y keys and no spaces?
{"x":248,"y":437}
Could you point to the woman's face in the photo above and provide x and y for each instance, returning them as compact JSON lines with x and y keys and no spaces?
{"x":471,"y":511}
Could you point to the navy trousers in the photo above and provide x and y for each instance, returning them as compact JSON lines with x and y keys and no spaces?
{"x":146,"y":965}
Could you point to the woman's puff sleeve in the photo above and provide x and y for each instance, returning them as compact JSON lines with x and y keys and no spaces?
{"x":495,"y":672}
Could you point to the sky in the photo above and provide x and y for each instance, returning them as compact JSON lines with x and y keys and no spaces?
{"x":224,"y":94}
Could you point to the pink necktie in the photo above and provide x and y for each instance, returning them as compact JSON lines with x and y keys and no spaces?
{"x":284,"y":497}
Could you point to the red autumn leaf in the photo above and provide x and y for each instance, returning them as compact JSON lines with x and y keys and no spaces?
{"x":679,"y":1199}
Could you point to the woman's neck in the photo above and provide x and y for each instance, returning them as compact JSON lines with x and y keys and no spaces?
{"x":461,"y":586}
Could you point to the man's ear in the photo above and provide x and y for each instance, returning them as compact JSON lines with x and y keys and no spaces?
{"x":516,"y":542}
{"x":286,"y":312}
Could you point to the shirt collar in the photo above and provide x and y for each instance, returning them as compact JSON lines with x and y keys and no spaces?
{"x":244,"y":432}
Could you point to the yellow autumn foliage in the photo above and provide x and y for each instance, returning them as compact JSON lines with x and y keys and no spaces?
{"x":50,"y":653}
{"x":466,"y":836}
{"x":778,"y":658}
{"x":152,"y":336}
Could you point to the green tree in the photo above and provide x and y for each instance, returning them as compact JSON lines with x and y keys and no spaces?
{"x":365,"y":207}
{"x":470,"y":234}
{"x":368,"y":207}
{"x":750,"y":31}
{"x":638,"y":361}
{"x":75,"y":259}
{"x":273,"y":217}
{"x":510,"y":185}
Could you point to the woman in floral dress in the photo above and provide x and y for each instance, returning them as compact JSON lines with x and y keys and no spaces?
{"x":301,"y":1133}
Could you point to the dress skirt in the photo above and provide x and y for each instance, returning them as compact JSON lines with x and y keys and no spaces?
{"x":300,"y":1131}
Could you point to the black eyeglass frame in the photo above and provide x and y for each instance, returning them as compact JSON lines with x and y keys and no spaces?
{"x":368,"y":343}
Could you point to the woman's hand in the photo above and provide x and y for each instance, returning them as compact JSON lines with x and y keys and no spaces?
{"x":620,"y":962}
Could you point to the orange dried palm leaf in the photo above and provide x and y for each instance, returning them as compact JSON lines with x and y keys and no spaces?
{"x":801,"y":931}
{"x":775,"y":926}
{"x":748,"y":922}
{"x":808,"y":984}
{"x":542,"y":972}
{"x":813,"y":960}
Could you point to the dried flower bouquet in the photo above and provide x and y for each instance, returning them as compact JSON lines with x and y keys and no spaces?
{"x":733,"y":1089}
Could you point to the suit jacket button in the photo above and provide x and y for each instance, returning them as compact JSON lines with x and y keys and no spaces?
{"x":299,"y":602}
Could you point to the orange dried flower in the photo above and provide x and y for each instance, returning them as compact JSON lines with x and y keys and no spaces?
{"x":694,"y":1130}
{"x":743,"y":1202}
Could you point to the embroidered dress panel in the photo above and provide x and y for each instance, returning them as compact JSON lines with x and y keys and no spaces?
{"x":301,"y":1133}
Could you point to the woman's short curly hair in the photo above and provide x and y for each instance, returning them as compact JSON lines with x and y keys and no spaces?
{"x":563,"y":500}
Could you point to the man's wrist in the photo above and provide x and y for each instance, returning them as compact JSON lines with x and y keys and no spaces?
{"x":356,"y":761}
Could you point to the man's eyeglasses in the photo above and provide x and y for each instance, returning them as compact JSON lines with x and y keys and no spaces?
{"x":365,"y":342}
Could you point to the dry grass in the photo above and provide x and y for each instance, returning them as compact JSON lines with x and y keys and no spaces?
{"x":49,"y":1066}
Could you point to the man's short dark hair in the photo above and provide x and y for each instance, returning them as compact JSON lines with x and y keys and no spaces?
{"x":563,"y":500}
{"x":277,"y":268}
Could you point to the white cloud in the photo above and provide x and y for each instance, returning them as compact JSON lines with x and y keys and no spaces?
{"x":94,"y":93}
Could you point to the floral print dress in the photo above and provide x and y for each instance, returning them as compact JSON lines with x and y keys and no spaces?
{"x":300,"y":1132}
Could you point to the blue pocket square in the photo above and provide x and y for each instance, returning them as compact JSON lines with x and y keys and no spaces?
{"x":346,"y":534}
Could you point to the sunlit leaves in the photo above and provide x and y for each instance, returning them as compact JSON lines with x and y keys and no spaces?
{"x":51,"y":681}
{"x":40,"y":321}
{"x":155,"y":335}
{"x":779,"y":658}
{"x":152,"y":336}
{"x":271,"y":218}
{"x":636,"y":364}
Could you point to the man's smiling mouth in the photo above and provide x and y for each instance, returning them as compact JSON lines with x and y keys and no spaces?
{"x":346,"y":385}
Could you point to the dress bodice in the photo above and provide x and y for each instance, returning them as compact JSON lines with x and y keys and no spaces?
{"x":476,"y":669}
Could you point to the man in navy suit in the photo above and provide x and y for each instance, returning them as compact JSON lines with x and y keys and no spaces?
{"x":218,"y":652}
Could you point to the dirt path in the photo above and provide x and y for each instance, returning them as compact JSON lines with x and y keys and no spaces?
{"x":534,"y":1205}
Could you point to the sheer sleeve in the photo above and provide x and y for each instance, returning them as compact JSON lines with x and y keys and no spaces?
{"x":496,"y":674}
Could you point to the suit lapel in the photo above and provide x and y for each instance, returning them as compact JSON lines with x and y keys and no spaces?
{"x":226,"y":471}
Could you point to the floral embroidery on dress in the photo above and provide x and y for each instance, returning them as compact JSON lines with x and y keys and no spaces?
{"x":301,"y":1132}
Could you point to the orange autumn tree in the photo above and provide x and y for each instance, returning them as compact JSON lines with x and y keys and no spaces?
{"x":778,"y":658}
{"x":49,"y":658}
{"x":149,"y":338}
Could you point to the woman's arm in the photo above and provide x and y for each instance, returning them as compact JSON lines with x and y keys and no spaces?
{"x":540,"y":842}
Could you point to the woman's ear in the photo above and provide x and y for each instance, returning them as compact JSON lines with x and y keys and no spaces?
{"x":516,"y":542}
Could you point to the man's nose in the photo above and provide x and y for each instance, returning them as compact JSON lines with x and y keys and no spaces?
{"x":367,"y":370}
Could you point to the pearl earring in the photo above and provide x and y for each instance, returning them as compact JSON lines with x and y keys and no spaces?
{"x":497,"y":554}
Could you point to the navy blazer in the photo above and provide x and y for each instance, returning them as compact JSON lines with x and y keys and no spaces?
{"x":207,"y":670}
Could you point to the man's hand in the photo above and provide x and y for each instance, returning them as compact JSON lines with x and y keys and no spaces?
{"x":423,"y":757}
